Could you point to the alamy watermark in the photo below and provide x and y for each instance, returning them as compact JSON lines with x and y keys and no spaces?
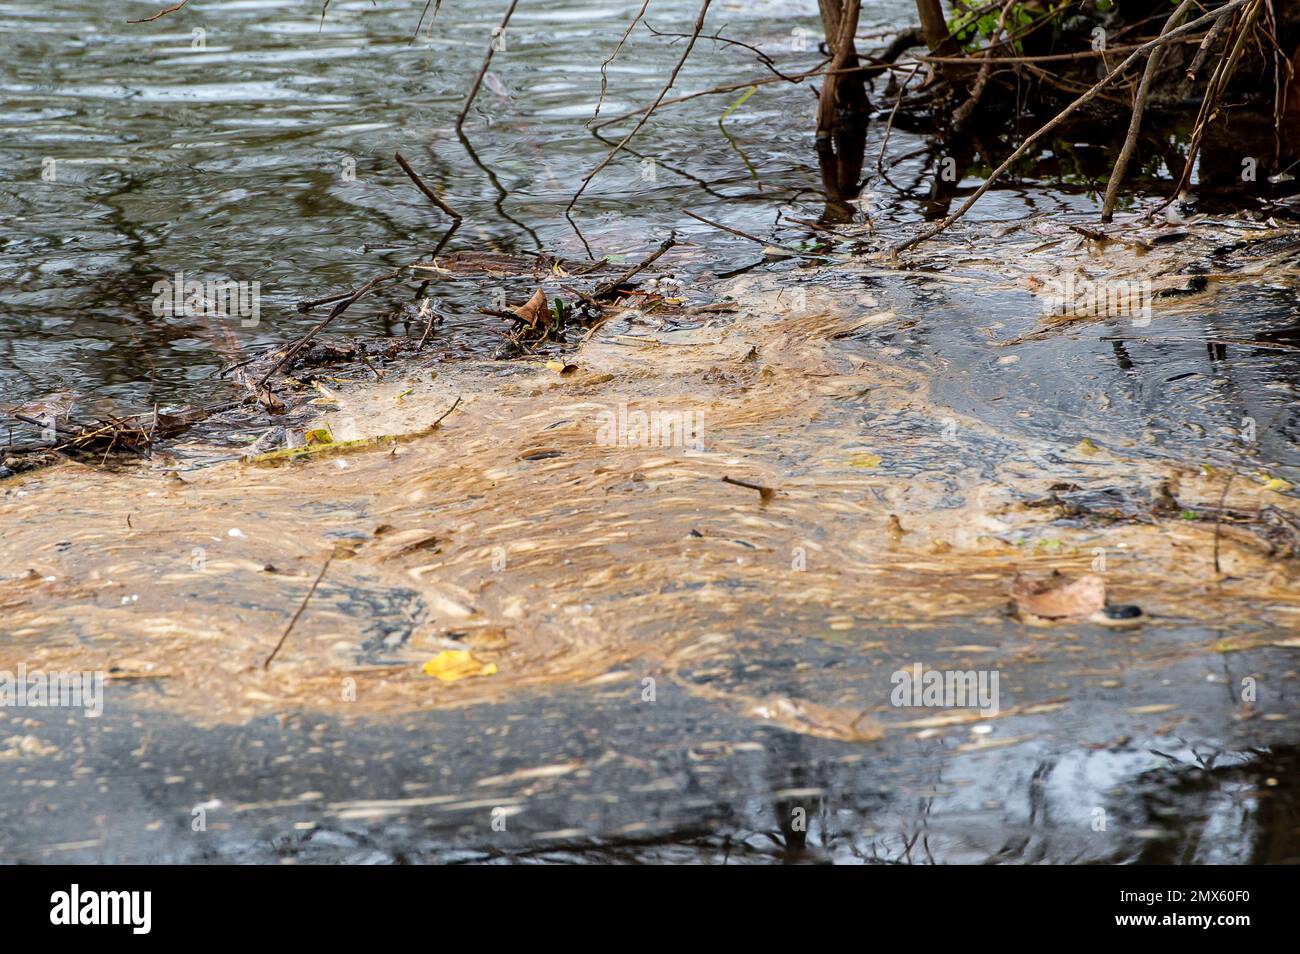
{"x":130,"y":908}
{"x":220,"y":297}
{"x":622,"y":427}
{"x":36,"y":689}
{"x":946,"y":689}
{"x":1078,"y":297}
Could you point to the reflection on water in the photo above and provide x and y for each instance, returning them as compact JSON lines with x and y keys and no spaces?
{"x":687,"y":785}
{"x":260,"y":149}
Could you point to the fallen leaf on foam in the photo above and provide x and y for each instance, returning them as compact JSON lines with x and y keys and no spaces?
{"x":1275,"y":484}
{"x":560,"y":368}
{"x":452,"y":664}
{"x":1059,"y":597}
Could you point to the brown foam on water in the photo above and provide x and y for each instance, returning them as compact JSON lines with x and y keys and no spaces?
{"x":564,"y":560}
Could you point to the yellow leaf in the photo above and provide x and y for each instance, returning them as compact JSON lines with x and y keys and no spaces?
{"x":308,"y":450}
{"x":319,"y":435}
{"x":865,"y":460}
{"x":452,"y":664}
{"x":1275,"y":484}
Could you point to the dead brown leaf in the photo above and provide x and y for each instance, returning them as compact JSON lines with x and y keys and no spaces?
{"x":1059,"y":597}
{"x":535,"y":311}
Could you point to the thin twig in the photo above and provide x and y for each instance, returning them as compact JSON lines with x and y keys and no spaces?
{"x":1218,"y":521}
{"x":423,"y":187}
{"x":1041,"y":58}
{"x":445,"y":413}
{"x":1135,"y":124}
{"x":161,"y":13}
{"x":1202,"y":54}
{"x":699,"y":26}
{"x":752,"y":238}
{"x":1087,"y":97}
{"x":1213,"y":95}
{"x":482,"y":71}
{"x":718,"y":37}
{"x":428,"y":326}
{"x":609,"y":288}
{"x":420,"y":23}
{"x":604,"y":67}
{"x":337,"y":310}
{"x":301,"y":606}
{"x":764,"y":493}
{"x":889,"y":126}
{"x":719,"y":90}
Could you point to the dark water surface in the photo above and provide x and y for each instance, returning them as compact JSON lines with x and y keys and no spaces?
{"x":261,"y":149}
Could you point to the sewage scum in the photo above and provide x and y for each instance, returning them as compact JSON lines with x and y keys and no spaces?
{"x":506,"y":547}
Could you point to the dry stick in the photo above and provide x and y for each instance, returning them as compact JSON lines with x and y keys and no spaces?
{"x":57,"y":428}
{"x":301,"y":606}
{"x":718,"y":37}
{"x":699,"y":26}
{"x":161,"y":13}
{"x":423,"y":187}
{"x":753,"y":238}
{"x":305,"y":306}
{"x":963,"y":112}
{"x":1284,"y":73}
{"x":764,"y":493}
{"x":889,"y":126}
{"x":604,"y":67}
{"x":445,"y":413}
{"x":334,"y":313}
{"x":1202,"y":54}
{"x":1204,"y":115}
{"x":427,"y":4}
{"x":1218,"y":520}
{"x":1135,"y":124}
{"x":482,"y":71}
{"x":610,"y":287}
{"x":428,"y":327}
{"x":1061,"y":117}
{"x":1210,"y":106}
{"x":718,"y":90}
{"x":1041,"y":58}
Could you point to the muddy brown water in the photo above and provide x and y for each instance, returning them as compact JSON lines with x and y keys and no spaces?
{"x":684,"y":670}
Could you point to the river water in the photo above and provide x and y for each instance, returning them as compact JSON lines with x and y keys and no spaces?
{"x":253,"y":142}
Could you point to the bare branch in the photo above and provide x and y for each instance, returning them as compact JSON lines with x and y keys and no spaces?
{"x":699,"y":26}
{"x":161,"y":13}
